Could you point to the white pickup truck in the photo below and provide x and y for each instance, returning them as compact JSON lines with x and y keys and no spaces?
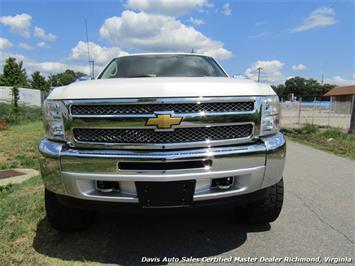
{"x":161,"y":131}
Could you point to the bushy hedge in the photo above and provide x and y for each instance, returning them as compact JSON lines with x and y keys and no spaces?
{"x":23,"y":114}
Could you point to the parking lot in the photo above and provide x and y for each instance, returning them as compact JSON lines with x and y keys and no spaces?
{"x":317,"y":220}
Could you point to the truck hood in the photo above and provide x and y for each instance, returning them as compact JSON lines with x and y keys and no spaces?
{"x":160,"y":88}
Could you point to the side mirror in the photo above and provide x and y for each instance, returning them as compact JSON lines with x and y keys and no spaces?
{"x":83,"y":78}
{"x":239,"y":76}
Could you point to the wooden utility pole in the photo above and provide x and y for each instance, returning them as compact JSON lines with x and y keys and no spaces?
{"x":352,"y":119}
{"x":259,"y":70}
{"x":91,"y":62}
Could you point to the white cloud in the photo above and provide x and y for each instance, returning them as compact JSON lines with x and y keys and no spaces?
{"x":299,"y":67}
{"x":55,"y":67}
{"x":321,"y":17}
{"x":260,"y":35}
{"x":5,"y":43}
{"x":19,"y":24}
{"x":166,"y":7}
{"x":149,"y":32}
{"x":271,"y":71}
{"x":25,"y":46}
{"x":100,"y":54}
{"x":227,"y":10}
{"x":197,"y":22}
{"x":260,"y":23}
{"x":41,"y":34}
{"x":340,"y":81}
{"x":42,"y":45}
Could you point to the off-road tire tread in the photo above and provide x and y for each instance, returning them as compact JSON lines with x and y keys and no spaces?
{"x":64,"y":218}
{"x":268,"y":209}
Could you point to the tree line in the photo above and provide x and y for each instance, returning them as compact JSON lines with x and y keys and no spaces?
{"x":15,"y":75}
{"x":302,"y":88}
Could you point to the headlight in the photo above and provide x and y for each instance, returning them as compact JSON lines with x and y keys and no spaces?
{"x":270,"y":114}
{"x":53,"y":119}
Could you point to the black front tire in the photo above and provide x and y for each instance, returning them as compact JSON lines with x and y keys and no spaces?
{"x":64,"y":218}
{"x":267,"y":209}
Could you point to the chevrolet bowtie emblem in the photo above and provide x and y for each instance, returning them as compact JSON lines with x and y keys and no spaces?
{"x":164,"y":121}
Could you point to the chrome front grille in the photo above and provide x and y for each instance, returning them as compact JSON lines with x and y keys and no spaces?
{"x":150,"y":136}
{"x":122,"y":123}
{"x":178,"y":108}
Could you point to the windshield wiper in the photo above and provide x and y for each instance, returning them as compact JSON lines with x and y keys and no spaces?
{"x":143,"y":76}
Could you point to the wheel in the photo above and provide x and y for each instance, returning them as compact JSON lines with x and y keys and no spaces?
{"x":267,"y":209}
{"x":63,"y":218}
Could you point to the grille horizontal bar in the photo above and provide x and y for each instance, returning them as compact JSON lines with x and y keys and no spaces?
{"x":112,"y":109}
{"x":150,"y":136}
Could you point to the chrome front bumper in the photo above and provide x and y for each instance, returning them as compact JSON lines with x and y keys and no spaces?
{"x":74,"y":172}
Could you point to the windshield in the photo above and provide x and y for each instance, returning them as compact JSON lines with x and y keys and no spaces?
{"x":162,"y":66}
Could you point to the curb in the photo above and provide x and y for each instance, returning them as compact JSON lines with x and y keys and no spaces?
{"x":27,"y":174}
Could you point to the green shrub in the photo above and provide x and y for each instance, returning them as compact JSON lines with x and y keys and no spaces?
{"x":6,"y":189}
{"x":336,"y":134}
{"x":23,"y":114}
{"x":308,"y":129}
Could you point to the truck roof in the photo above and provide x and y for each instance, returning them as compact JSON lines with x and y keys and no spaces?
{"x":165,"y":53}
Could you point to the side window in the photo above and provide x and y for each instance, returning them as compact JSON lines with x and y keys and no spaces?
{"x":111,"y":72}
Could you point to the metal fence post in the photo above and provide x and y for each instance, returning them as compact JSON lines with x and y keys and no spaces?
{"x":313,"y":106}
{"x":299,"y":110}
{"x":329,"y":107}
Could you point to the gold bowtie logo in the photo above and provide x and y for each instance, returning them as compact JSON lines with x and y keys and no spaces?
{"x":164,"y":121}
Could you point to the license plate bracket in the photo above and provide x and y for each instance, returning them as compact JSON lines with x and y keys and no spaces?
{"x":165,"y":194}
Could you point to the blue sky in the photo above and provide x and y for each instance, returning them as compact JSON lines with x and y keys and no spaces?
{"x":285,"y":38}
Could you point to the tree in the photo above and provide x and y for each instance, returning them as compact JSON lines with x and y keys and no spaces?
{"x":64,"y":78}
{"x":296,"y":86}
{"x":13,"y":74}
{"x":280,"y":90}
{"x":38,"y":82}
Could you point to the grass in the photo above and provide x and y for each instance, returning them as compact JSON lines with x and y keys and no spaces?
{"x":20,"y":205}
{"x":20,"y":208}
{"x":18,"y":145}
{"x":331,"y":140}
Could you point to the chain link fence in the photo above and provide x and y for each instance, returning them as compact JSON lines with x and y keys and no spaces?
{"x":318,"y":111}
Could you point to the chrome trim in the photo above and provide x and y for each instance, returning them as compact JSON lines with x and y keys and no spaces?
{"x":50,"y":166}
{"x":202,"y":119}
{"x":159,"y":177}
{"x":275,"y":158}
{"x":162,"y":100}
{"x":164,"y":156}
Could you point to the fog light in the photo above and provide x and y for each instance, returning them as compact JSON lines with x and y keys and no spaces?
{"x":107,"y":186}
{"x":223,"y":183}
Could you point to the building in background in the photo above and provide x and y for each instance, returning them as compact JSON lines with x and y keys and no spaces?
{"x":343,"y":102}
{"x":342,"y":99}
